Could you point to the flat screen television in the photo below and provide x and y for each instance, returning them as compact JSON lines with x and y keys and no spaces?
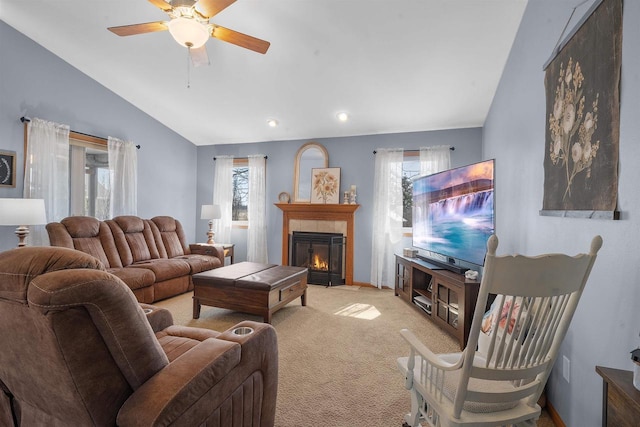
{"x":453,"y":215}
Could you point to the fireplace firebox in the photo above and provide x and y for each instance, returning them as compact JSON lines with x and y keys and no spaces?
{"x":322,"y":254}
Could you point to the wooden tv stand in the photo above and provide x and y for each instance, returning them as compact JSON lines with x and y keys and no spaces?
{"x":452,"y":298}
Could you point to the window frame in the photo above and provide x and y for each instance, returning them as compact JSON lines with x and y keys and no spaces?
{"x":86,"y":141}
{"x":240,"y":162}
{"x":406,"y":156}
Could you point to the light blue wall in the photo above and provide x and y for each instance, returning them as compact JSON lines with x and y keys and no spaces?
{"x":36,"y":83}
{"x":606,"y":325}
{"x":353,"y":155}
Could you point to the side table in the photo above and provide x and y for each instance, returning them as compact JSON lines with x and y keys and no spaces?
{"x":227,"y":248}
{"x":620,"y":399}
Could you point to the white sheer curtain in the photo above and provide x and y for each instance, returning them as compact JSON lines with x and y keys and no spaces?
{"x":223,"y":196}
{"x":434,"y":159}
{"x":387,"y":215}
{"x":123,"y":174}
{"x":46,"y":174}
{"x":257,"y":232}
{"x":77,"y":156}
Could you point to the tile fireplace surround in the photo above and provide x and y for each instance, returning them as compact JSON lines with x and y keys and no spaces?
{"x":319,"y":218}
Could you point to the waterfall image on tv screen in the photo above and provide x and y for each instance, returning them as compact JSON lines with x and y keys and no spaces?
{"x":453,"y":212}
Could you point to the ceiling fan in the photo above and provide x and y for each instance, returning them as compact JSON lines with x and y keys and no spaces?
{"x":189,"y":25}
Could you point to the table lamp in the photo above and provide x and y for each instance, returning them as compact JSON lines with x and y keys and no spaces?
{"x":210,"y":212}
{"x":22,"y":212}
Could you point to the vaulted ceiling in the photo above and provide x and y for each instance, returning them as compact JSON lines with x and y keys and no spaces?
{"x":393,"y":66}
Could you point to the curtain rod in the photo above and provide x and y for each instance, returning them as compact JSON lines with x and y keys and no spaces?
{"x":241,"y":158}
{"x":24,"y":119}
{"x":452,"y":148}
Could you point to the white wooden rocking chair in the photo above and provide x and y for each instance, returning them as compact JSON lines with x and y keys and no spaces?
{"x":536,"y":299}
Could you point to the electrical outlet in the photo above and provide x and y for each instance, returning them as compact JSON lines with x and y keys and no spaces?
{"x":566,"y":368}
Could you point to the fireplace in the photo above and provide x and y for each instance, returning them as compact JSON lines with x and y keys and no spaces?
{"x":320,"y":218}
{"x":322,"y":254}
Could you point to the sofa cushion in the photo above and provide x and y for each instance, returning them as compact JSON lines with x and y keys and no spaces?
{"x":135,"y":278}
{"x":88,"y":235}
{"x":200,"y":263}
{"x":171,"y":242}
{"x":91,"y":246}
{"x":171,"y":236}
{"x":130,"y":223}
{"x":82,"y":226}
{"x":133,"y":238}
{"x":164,"y":269}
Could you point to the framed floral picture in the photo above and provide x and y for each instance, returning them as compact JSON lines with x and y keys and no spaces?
{"x":325,"y":185}
{"x":7,"y":168}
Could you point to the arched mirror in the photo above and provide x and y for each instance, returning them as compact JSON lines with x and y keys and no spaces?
{"x":310,"y":155}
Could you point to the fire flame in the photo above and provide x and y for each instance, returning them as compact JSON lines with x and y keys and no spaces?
{"x":319,"y":263}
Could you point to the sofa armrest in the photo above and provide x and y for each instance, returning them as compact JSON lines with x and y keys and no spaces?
{"x":169,"y":396}
{"x":159,"y":318}
{"x":205,"y":249}
{"x":198,"y":383}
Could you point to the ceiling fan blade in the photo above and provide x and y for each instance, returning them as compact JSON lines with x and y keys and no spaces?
{"x":132,"y":30}
{"x":199,"y":56}
{"x":161,"y":4}
{"x":209,"y":8}
{"x":240,"y":39}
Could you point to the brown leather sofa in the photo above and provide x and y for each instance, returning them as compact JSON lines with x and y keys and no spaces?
{"x":77,"y":349}
{"x":150,"y":256}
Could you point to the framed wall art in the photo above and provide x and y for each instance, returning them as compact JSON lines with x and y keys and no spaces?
{"x":582,"y":85}
{"x":325,"y":185}
{"x":7,"y":168}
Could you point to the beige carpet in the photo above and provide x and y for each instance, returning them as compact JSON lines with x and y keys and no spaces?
{"x":337,"y":354}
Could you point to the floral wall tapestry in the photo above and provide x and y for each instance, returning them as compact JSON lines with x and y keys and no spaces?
{"x":583,"y":117}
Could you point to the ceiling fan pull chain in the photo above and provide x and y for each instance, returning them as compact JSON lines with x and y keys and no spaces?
{"x":188,"y":66}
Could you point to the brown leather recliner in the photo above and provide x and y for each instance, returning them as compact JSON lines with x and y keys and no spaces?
{"x":76,"y":348}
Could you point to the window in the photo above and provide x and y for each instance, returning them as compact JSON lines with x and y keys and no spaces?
{"x":89,"y":176}
{"x":240,"y":203}
{"x":410,"y":169}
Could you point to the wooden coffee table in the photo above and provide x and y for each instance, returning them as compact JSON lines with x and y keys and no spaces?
{"x":250,"y":287}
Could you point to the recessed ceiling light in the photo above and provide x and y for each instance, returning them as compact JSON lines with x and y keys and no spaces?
{"x":272,"y":123}
{"x":342,"y":116}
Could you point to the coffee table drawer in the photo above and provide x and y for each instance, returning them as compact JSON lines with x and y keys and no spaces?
{"x":292,"y":289}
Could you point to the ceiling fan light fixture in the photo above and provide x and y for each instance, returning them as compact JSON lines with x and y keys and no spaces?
{"x":188,"y":32}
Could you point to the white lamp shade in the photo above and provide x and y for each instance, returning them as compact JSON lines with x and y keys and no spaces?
{"x":188,"y":32}
{"x":22,"y":212}
{"x":210,"y":212}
